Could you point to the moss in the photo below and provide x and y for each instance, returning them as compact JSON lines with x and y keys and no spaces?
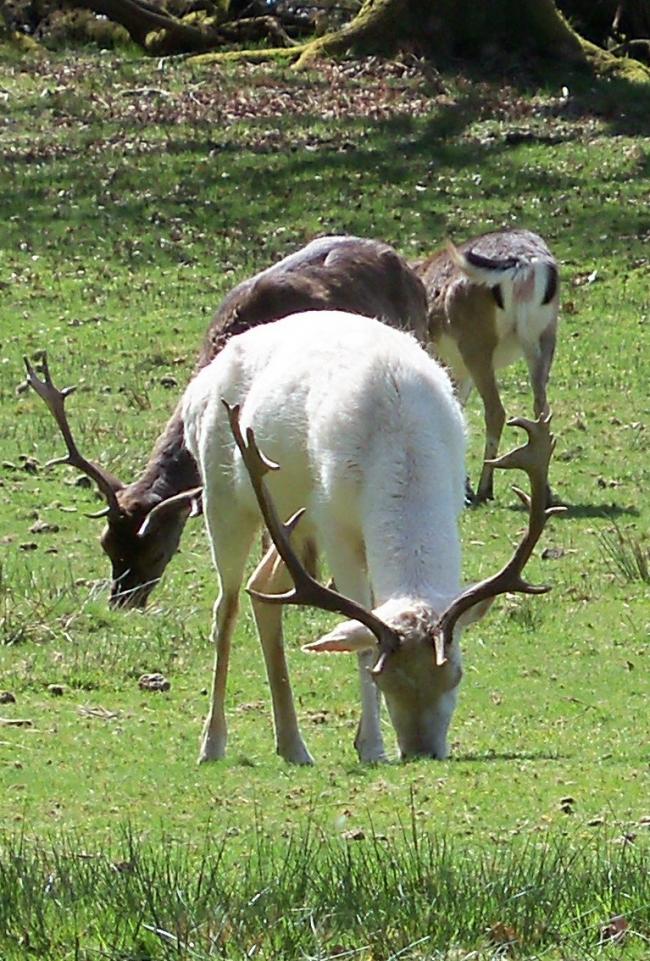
{"x":200,"y":18}
{"x":281,"y":55}
{"x":68,"y":28}
{"x":607,"y":65}
{"x":19,"y":44}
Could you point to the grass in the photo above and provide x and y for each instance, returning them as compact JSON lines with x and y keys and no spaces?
{"x":629,"y":557}
{"x":311,"y":896}
{"x":137,"y":195}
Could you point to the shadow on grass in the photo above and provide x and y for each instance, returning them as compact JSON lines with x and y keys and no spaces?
{"x":573,"y":511}
{"x":622,"y":105}
{"x":489,"y":756}
{"x":607,"y":511}
{"x":110,"y":201}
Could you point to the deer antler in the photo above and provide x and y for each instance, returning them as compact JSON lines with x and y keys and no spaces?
{"x":55,"y":401}
{"x":307,"y":590}
{"x":533,"y":457}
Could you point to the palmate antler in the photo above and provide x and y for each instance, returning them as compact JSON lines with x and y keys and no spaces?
{"x":55,"y":401}
{"x":307,"y":591}
{"x":533,"y":457}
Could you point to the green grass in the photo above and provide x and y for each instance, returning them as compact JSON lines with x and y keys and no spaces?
{"x":314,"y":896}
{"x":133,"y":198}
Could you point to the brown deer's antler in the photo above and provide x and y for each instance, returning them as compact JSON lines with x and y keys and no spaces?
{"x":533,"y":457}
{"x":55,"y":401}
{"x":307,"y":590}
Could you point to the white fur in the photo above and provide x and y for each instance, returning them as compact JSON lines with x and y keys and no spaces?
{"x":370,"y":439}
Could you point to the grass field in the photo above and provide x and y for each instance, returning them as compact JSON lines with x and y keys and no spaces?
{"x":134,"y":196}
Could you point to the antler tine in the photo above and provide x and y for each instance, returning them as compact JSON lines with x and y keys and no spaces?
{"x":55,"y":402}
{"x":533,"y":457}
{"x":307,"y":590}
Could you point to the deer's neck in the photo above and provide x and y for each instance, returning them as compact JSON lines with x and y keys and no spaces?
{"x":171,"y":468}
{"x":411,"y":514}
{"x":415,"y":556}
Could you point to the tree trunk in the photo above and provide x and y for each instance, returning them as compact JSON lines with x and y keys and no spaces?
{"x":466,"y":28}
{"x":149,"y":26}
{"x":606,"y":20}
{"x":11,"y":37}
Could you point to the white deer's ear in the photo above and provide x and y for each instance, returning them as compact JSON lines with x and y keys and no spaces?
{"x":475,"y":613}
{"x":349,"y":637}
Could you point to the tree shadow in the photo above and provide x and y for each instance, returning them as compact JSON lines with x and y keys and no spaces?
{"x":583,"y":510}
{"x":606,"y":511}
{"x":622,"y":105}
{"x":476,"y":757}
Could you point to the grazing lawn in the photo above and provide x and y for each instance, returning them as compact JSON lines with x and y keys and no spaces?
{"x":134,"y":195}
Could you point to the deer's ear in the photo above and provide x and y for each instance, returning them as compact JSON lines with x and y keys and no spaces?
{"x":187,"y":502}
{"x":475,"y":613}
{"x":349,"y":637}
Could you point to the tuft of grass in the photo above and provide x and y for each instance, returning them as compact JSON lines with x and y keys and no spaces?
{"x":627,"y":554}
{"x":528,"y":615}
{"x":310,"y":896}
{"x":29,"y":603}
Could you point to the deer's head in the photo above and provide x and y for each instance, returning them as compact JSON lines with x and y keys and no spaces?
{"x":142,"y":532}
{"x":420,"y":690}
{"x":140,"y":544}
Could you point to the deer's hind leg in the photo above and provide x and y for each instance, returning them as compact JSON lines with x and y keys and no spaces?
{"x":539,"y":358}
{"x":272,"y":577}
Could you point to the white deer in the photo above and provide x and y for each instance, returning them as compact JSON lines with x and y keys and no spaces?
{"x":371,"y":442}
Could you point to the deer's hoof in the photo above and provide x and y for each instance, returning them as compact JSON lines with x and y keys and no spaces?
{"x":296,"y":755}
{"x":211,"y":751}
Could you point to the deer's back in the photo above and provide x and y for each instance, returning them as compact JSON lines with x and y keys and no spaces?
{"x":331,"y":397}
{"x":332,"y":273}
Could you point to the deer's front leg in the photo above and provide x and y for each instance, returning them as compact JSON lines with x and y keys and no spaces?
{"x":348,"y":565}
{"x":539,"y":357}
{"x":231,"y":536}
{"x":369,"y":742}
{"x":215,"y":731}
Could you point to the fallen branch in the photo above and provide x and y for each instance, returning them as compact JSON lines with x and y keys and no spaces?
{"x":640,"y":45}
{"x":158,"y":32}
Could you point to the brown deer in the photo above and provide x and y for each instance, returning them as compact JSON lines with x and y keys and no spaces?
{"x":492,"y":300}
{"x":145,"y":519}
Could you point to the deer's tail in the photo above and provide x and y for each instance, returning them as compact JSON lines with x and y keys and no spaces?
{"x":514,"y":279}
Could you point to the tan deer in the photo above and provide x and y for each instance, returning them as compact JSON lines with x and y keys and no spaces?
{"x":145,"y":519}
{"x":370,"y":440}
{"x":492,"y":300}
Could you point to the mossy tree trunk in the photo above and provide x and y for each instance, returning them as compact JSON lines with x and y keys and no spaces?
{"x":440,"y":28}
{"x":11,"y":38}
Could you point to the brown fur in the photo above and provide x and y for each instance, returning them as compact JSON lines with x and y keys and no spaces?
{"x":344,"y":273}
